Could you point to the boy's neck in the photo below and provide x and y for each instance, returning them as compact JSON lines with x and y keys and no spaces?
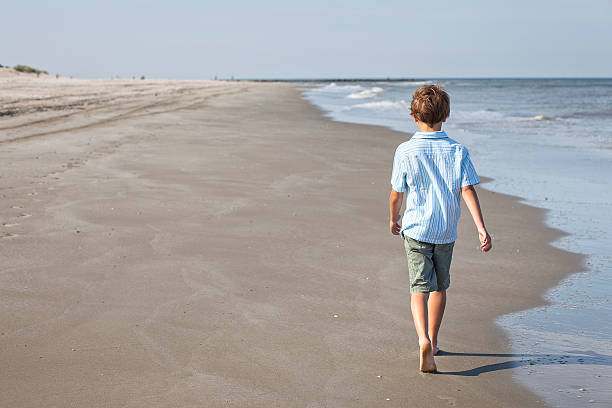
{"x":424,"y":127}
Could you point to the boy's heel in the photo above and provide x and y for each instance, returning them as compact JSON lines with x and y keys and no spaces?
{"x":428,"y":365}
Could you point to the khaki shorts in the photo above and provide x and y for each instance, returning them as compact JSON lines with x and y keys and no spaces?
{"x":428,"y":265}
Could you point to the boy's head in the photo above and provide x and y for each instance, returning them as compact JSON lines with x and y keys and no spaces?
{"x":430,"y":105}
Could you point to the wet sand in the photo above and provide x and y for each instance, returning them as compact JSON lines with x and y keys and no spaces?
{"x":228,"y":246}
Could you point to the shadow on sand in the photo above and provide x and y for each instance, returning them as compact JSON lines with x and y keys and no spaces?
{"x":519,"y":360}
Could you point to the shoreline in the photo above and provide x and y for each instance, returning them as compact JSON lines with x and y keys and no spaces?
{"x":150,"y":274}
{"x":555,"y":233}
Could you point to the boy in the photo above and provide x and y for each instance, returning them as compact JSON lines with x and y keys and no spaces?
{"x":434,"y":171}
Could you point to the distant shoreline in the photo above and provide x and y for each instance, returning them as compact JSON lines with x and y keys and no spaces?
{"x":401,"y":79}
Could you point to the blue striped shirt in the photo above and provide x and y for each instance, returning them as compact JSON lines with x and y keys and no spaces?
{"x":431,"y":168}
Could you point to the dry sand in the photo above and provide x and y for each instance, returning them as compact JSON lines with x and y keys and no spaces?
{"x":206,"y":244}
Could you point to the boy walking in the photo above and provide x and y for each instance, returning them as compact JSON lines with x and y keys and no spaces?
{"x":435,"y":172}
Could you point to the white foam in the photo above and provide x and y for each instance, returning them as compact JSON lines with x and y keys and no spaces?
{"x":368,"y":93}
{"x":339,"y":88}
{"x":381,"y":105}
{"x":540,"y":117}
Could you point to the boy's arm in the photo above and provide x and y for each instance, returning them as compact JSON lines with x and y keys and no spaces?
{"x":471,"y":200}
{"x":395,"y":204}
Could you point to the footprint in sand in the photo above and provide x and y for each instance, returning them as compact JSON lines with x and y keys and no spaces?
{"x":17,"y":206}
{"x":9,"y":235}
{"x":25,"y":215}
{"x":10,"y":224}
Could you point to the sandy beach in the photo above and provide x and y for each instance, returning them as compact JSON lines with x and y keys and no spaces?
{"x":207,"y":244}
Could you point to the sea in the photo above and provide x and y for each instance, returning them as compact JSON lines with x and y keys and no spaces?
{"x":548,"y":141}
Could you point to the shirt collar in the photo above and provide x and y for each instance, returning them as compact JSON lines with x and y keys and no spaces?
{"x":430,"y":135}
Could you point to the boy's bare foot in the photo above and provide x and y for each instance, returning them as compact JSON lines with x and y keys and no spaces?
{"x":428,"y":365}
{"x":435,"y":350}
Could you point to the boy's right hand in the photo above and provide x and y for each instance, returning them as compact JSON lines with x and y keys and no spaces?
{"x":395,"y":227}
{"x":485,"y":241}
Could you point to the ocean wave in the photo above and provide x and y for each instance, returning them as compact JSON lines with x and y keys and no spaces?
{"x":540,"y":118}
{"x":381,"y":105}
{"x":339,"y":88}
{"x":365,"y":94}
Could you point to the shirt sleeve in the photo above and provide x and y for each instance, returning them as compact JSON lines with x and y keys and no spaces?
{"x":398,"y":175}
{"x":468,"y":172}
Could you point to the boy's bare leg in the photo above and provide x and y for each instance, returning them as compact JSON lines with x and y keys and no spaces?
{"x":418,"y":304}
{"x":435,"y":306}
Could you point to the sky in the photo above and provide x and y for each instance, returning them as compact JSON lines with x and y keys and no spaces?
{"x":309,"y":39}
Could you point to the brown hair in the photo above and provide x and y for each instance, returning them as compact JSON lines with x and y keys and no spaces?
{"x":430,"y":104}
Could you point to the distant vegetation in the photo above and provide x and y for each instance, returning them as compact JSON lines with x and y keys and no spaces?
{"x":29,"y":70}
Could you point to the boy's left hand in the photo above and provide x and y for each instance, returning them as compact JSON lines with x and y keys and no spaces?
{"x":485,"y":241}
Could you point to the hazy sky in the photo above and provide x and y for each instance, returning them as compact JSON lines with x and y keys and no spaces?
{"x":310,"y":38}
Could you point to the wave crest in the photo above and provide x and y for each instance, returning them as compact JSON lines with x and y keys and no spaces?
{"x":339,"y":88}
{"x":539,"y":118}
{"x":365,"y":94}
{"x":381,"y":105}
